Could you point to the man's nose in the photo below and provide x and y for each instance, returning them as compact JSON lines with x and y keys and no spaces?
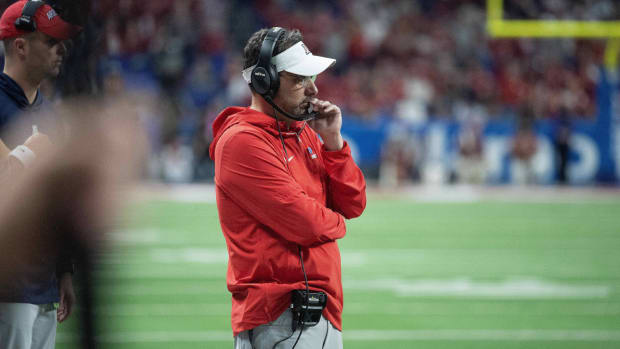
{"x":311,"y":89}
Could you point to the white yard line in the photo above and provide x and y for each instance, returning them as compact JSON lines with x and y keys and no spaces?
{"x":457,"y":288}
{"x":205,"y":193}
{"x":139,"y":290}
{"x":523,"y":288}
{"x":155,"y":337}
{"x":165,"y":310}
{"x":163,"y":262}
{"x":483,"y":335}
{"x":189,"y":255}
{"x":190,"y":193}
{"x":190,"y":261}
{"x":577,"y":335}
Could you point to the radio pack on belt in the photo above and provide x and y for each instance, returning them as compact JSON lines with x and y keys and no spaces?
{"x":307,"y":310}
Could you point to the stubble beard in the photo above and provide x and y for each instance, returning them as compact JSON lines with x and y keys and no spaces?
{"x":54,"y":71}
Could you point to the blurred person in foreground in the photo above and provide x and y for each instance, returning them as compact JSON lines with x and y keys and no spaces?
{"x":67,"y":200}
{"x":283,"y":196}
{"x":35,"y":300}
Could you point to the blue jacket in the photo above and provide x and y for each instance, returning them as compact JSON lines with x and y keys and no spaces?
{"x":39,"y":285}
{"x":13,"y":101}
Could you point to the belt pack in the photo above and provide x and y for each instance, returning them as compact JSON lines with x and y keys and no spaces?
{"x":307,"y":309}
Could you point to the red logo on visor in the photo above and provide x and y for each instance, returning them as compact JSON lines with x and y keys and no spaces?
{"x":305,"y":48}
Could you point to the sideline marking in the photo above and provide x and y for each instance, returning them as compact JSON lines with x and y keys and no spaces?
{"x":532,"y":289}
{"x":483,"y":335}
{"x":529,"y":288}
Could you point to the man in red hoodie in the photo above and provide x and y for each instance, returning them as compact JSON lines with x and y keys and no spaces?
{"x":283,"y":196}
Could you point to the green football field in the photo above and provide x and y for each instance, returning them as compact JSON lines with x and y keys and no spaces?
{"x":482,"y":274}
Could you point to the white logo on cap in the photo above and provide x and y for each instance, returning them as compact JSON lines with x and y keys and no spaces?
{"x":51,"y":14}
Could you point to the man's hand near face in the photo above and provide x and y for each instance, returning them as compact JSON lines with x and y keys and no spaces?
{"x":328,"y":124}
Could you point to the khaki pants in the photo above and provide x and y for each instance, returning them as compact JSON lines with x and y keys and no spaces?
{"x":322,"y":335}
{"x":27,"y":326}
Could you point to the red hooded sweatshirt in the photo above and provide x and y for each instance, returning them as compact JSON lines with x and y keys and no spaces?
{"x":267,"y":209}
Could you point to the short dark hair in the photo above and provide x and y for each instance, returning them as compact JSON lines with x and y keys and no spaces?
{"x":252,"y":48}
{"x":7,"y":43}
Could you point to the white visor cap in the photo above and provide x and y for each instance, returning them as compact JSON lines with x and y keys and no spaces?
{"x":296,"y":59}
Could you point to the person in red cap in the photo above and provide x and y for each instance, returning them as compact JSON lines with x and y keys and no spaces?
{"x":32,"y":34}
{"x":283,"y":195}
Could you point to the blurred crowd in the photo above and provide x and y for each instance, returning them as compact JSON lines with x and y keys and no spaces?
{"x":579,"y":10}
{"x":411,"y":61}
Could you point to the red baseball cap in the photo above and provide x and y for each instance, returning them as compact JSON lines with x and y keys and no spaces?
{"x":46,"y":19}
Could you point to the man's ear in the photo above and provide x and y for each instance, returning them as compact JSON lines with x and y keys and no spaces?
{"x":20,"y":46}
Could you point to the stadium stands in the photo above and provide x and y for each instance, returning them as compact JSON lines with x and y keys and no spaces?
{"x":400,"y":60}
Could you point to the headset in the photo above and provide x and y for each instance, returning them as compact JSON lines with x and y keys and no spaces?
{"x":265,"y":79}
{"x":26,"y":21}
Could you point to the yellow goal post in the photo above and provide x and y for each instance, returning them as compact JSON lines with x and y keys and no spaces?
{"x":498,"y":27}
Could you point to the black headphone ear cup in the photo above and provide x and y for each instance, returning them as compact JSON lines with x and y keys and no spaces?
{"x":261,"y":80}
{"x":275,"y":80}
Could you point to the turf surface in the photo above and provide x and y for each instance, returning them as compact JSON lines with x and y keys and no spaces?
{"x":416,"y":275}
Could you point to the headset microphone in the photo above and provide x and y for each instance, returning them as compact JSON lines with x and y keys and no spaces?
{"x":303,"y":117}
